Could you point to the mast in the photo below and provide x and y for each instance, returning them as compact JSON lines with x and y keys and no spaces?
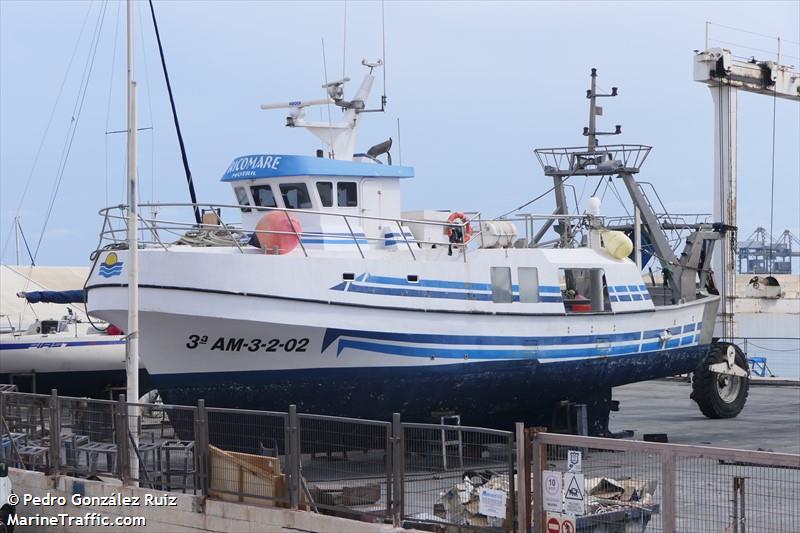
{"x":592,"y":94}
{"x":132,"y":346}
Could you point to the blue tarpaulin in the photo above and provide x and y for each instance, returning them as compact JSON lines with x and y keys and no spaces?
{"x":54,"y":297}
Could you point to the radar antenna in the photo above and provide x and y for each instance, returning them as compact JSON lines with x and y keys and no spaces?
{"x":339,"y":136}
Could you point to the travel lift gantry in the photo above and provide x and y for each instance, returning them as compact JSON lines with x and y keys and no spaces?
{"x":725,"y":75}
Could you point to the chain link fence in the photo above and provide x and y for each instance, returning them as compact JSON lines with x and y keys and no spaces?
{"x":436,"y":477}
{"x":450,"y":472}
{"x":609,"y":485}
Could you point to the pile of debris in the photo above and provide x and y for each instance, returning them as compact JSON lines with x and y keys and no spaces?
{"x":461,"y":504}
{"x":607,"y":495}
{"x":608,"y":501}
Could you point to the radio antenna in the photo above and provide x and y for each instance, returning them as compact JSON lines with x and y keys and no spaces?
{"x":344,"y":43}
{"x":383,"y":52}
{"x":399,"y":143}
{"x":330,"y":120}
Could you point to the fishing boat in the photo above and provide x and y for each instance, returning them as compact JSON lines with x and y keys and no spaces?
{"x":315,"y":288}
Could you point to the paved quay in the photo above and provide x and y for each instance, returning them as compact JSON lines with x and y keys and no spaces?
{"x":770,"y":419}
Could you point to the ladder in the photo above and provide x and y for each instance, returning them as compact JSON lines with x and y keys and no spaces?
{"x":452,"y":420}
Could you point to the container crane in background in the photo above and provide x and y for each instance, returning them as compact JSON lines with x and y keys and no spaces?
{"x":725,"y":75}
{"x":760,"y":249}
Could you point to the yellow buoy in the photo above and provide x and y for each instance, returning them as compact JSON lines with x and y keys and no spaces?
{"x":617,"y":244}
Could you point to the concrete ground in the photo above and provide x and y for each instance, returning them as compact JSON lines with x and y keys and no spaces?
{"x":769,"y":421}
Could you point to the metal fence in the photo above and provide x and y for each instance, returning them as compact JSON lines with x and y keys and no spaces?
{"x":437,"y":477}
{"x":609,"y":485}
{"x":450,"y":471}
{"x":379,"y":471}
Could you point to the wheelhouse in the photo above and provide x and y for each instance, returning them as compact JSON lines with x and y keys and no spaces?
{"x":322,"y":190}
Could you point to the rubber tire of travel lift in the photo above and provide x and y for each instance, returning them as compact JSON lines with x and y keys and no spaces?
{"x":5,"y":514}
{"x":704,"y":386}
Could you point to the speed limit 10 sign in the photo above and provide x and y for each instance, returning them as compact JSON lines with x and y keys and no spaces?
{"x":552,"y":491}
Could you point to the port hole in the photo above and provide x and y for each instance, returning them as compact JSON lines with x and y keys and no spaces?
{"x":348,"y":276}
{"x":412,"y":278}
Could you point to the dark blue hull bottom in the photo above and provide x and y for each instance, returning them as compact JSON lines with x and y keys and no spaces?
{"x":488,"y":394}
{"x":99,"y":384}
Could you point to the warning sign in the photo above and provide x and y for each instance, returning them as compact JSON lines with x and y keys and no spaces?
{"x":560,"y":523}
{"x":574,"y":494}
{"x":552,"y":491}
{"x":574,"y":461}
{"x":492,"y":502}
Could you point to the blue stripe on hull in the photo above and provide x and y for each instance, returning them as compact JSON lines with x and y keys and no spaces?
{"x":481,"y":340}
{"x":491,"y":394}
{"x":467,"y":353}
{"x":56,"y":344}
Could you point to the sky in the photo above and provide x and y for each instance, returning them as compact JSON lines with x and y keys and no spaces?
{"x":475,"y":86}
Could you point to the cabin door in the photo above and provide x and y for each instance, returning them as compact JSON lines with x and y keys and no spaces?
{"x":371,"y":207}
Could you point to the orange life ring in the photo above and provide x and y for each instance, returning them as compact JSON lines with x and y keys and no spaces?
{"x":464,"y":220}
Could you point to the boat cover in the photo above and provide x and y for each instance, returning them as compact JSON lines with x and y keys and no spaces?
{"x":54,"y":297}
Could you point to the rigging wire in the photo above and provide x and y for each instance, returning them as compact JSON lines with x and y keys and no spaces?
{"x":583,"y":190}
{"x":753,"y":48}
{"x":529,"y":202}
{"x":330,"y":120}
{"x":344,"y":42}
{"x":110,"y":92}
{"x":619,"y":197}
{"x":184,"y":158}
{"x":75,"y":119}
{"x":750,"y":32}
{"x":383,"y":50}
{"x":49,"y":122}
{"x":24,"y":241}
{"x":599,"y":183}
{"x":605,"y":190}
{"x":149,"y":105}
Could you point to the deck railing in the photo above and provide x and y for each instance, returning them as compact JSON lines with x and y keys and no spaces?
{"x":166,"y":232}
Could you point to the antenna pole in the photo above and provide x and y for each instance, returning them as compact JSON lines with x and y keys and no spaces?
{"x":132,"y":344}
{"x":592,"y":109}
{"x":399,"y":142}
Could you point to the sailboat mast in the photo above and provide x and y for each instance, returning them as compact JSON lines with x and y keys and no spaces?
{"x":132,"y":346}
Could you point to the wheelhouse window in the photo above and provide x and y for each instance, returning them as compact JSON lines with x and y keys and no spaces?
{"x":347,"y":194}
{"x":295,"y":196}
{"x":325,"y":190}
{"x":263,"y":197}
{"x":501,"y":285}
{"x":528,"y":284}
{"x":241,"y":198}
{"x":584,"y":290}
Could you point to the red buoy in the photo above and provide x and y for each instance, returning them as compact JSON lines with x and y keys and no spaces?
{"x":278,"y":232}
